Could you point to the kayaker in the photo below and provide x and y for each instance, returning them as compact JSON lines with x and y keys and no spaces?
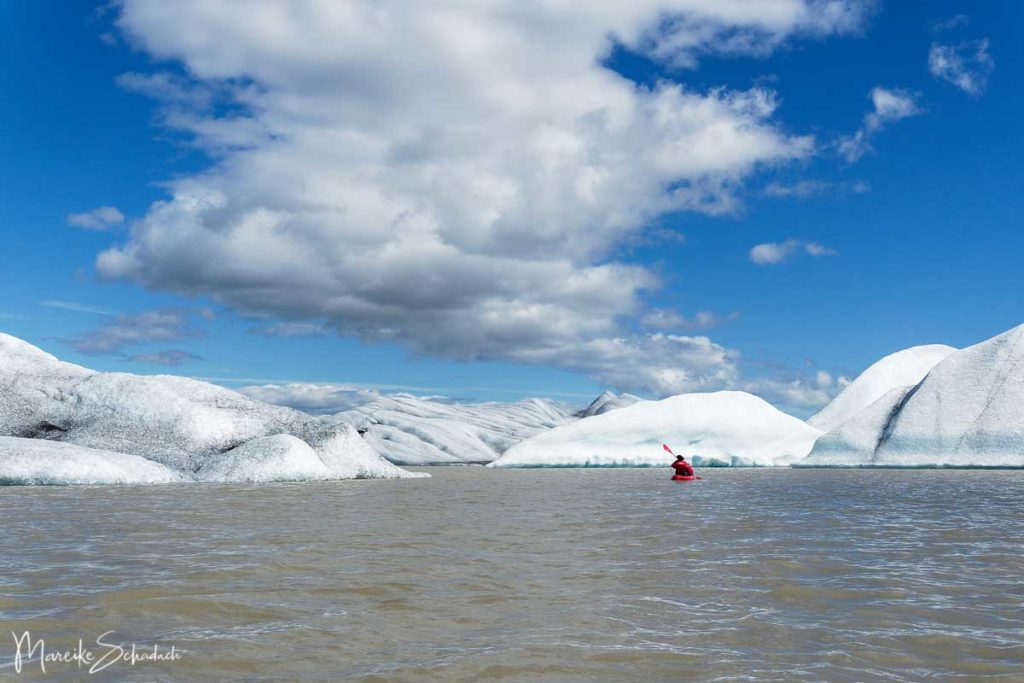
{"x":682,"y":468}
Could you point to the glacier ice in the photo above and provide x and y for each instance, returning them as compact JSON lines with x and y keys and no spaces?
{"x":901,"y":369}
{"x":968,"y":411}
{"x":281,"y":457}
{"x":609,"y":401}
{"x":412,"y":430}
{"x":38,"y":462}
{"x":853,"y":443}
{"x":728,"y":428}
{"x":174,"y":421}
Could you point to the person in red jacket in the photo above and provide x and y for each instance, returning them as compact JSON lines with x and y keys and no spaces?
{"x":682,"y":468}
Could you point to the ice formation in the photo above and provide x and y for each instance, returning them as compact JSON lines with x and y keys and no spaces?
{"x":854,"y":442}
{"x":901,"y":369}
{"x":40,"y":462}
{"x":726,"y":428}
{"x":967,"y":412}
{"x":411,"y":430}
{"x":174,"y":421}
{"x":609,"y":401}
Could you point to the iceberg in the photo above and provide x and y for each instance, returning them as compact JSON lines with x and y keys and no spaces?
{"x":725,"y":428}
{"x":411,"y":430}
{"x":901,"y":369}
{"x":281,"y":457}
{"x":607,"y":402}
{"x":30,"y":462}
{"x":177,"y":422}
{"x":968,"y":411}
{"x":853,"y":443}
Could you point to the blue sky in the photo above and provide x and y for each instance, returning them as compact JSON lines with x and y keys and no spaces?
{"x":914,"y":232}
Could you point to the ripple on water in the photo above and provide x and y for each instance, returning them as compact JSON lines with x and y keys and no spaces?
{"x":536,"y":575}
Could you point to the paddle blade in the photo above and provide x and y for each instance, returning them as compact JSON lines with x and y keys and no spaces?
{"x":665,"y":446}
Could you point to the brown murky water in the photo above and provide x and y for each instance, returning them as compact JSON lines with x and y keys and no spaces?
{"x":528,"y":575}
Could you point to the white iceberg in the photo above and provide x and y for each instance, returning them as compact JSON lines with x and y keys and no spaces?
{"x":349,"y":456}
{"x":901,"y":369}
{"x":174,"y":421}
{"x":411,"y":430}
{"x":607,"y":402}
{"x":726,"y":428}
{"x":38,"y":462}
{"x":853,"y":444}
{"x":281,"y":457}
{"x":967,"y":412}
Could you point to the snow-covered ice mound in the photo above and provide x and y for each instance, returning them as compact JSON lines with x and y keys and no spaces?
{"x":607,"y":402}
{"x":853,"y":443}
{"x":411,"y":430}
{"x":39,"y":462}
{"x":269,"y":458}
{"x":967,"y":412}
{"x":723,"y":428}
{"x":901,"y":369}
{"x":175,"y":421}
{"x":349,"y":456}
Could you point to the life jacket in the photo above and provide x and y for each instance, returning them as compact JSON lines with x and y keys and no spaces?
{"x":682,"y":467}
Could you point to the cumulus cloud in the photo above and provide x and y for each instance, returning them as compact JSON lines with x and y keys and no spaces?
{"x":658,"y":363}
{"x":966,"y":65}
{"x":771,"y":253}
{"x":888,"y":106}
{"x":317,"y":399}
{"x":667,"y":319}
{"x":100,"y":218}
{"x":169,"y":88}
{"x":799,"y":395}
{"x":114,"y":335}
{"x":451,"y":176}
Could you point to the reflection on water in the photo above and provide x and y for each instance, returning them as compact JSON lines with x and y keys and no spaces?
{"x":531,"y":575}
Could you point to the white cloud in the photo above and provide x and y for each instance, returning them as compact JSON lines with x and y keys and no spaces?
{"x":803,"y":189}
{"x":815,"y":249}
{"x":951,"y":23}
{"x":800,"y":395}
{"x":452,"y":176}
{"x":318,"y":399}
{"x":169,"y":358}
{"x":771,"y":253}
{"x":291,"y":329}
{"x":966,"y":65}
{"x":888,"y":106}
{"x":667,"y":319}
{"x":662,"y":364}
{"x":76,"y":307}
{"x":169,"y":88}
{"x":100,"y":218}
{"x":163,"y":325}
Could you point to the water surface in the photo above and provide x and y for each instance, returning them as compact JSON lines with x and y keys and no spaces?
{"x":530,"y":575}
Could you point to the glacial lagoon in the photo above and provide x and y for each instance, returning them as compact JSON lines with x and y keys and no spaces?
{"x":527,"y":575}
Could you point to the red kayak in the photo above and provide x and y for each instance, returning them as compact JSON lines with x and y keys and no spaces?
{"x":679,"y":477}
